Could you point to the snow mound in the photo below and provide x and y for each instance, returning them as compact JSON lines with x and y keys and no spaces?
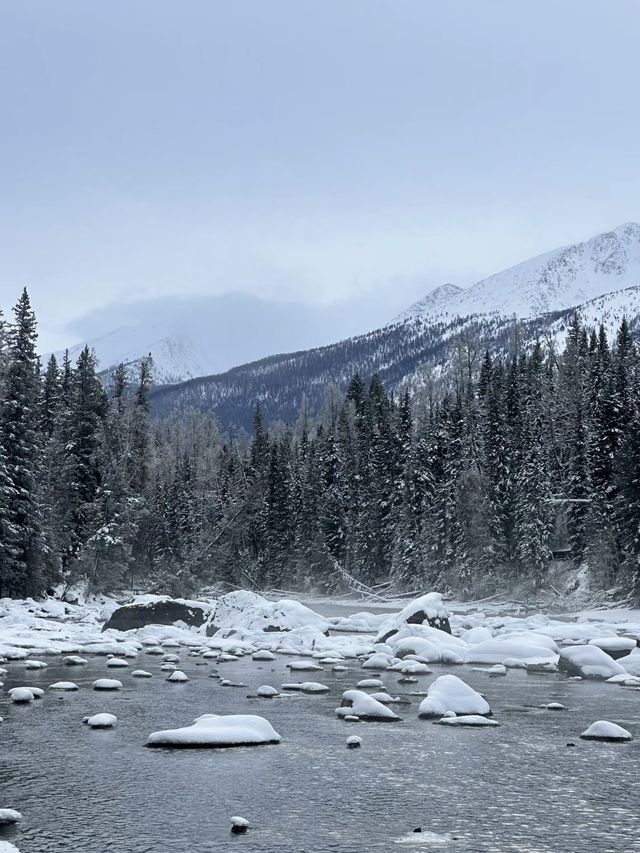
{"x":211,"y":730}
{"x":379,"y":660}
{"x":307,"y":687}
{"x":63,"y":685}
{"x":74,"y":660}
{"x":354,"y":742}
{"x":303,"y":666}
{"x":501,"y":651}
{"x":102,"y":721}
{"x":107,"y":684}
{"x":370,"y":683}
{"x":21,"y":695}
{"x":265,"y":691}
{"x":117,"y":662}
{"x":8,"y":816}
{"x":467,"y":720}
{"x":450,"y":693}
{"x":35,"y":664}
{"x":357,"y":703}
{"x":178,"y":677}
{"x":247,"y":610}
{"x":589,"y":662}
{"x":428,"y":608}
{"x":141,"y":673}
{"x":263,"y":654}
{"x":604,"y":730}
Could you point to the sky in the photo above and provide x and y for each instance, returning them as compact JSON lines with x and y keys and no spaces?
{"x":348,"y":154}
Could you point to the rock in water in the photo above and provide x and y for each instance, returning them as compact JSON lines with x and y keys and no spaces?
{"x":604,"y":730}
{"x":354,"y":742}
{"x":158,"y":610}
{"x":239,"y":825}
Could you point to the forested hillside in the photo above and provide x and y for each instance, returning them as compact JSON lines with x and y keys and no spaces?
{"x":471,"y":490}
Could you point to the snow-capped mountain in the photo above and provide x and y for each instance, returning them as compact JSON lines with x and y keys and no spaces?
{"x":571,"y":275}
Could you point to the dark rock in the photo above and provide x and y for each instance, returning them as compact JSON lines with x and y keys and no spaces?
{"x":162,"y":612}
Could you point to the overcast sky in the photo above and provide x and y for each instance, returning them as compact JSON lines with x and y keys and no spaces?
{"x":299,"y":150}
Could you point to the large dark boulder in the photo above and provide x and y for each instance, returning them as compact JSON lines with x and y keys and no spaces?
{"x":159,"y":611}
{"x":428,"y":610}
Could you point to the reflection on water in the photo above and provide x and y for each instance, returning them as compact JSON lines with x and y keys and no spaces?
{"x":514,"y":788}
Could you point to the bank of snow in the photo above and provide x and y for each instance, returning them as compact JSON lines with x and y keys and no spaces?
{"x":212,"y":730}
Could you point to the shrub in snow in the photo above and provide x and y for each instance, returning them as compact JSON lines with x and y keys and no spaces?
{"x":450,"y":693}
{"x":266,"y":692}
{"x":107,"y":684}
{"x":604,"y":730}
{"x":211,"y":730}
{"x":63,"y":685}
{"x":428,"y":608}
{"x":102,"y":721}
{"x":588,"y":662}
{"x":467,"y":720}
{"x":141,"y":673}
{"x":354,"y":742}
{"x":177,"y":676}
{"x":359,"y":704}
{"x":9,"y":816}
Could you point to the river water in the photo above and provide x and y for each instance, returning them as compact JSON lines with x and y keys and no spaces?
{"x":514,"y":788}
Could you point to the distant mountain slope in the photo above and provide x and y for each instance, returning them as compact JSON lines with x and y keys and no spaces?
{"x":571,"y":275}
{"x":410,"y":351}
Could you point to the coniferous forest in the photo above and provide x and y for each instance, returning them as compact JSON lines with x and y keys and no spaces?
{"x":475,"y":488}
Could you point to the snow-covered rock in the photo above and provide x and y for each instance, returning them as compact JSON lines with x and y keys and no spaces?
{"x":450,"y":693}
{"x":263,"y":655}
{"x":141,"y":673}
{"x":265,"y":691}
{"x":211,"y":730}
{"x":21,"y":695}
{"x":615,"y":647}
{"x":107,"y":684}
{"x":251,"y":612}
{"x":117,"y":662}
{"x":158,"y":610}
{"x":360,"y":704}
{"x":307,"y":687}
{"x":35,"y":664}
{"x":379,"y":660}
{"x":178,"y":677}
{"x":63,"y":685}
{"x":501,"y":651}
{"x":303,"y":666}
{"x":102,"y":721}
{"x":354,"y":742}
{"x":369,"y":683}
{"x":74,"y":660}
{"x":429,"y":608}
{"x":588,"y":662}
{"x":9,"y":816}
{"x":467,"y":720}
{"x":631,"y":663}
{"x":604,"y":730}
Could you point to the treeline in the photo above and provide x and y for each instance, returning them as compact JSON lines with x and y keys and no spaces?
{"x":473,"y":490}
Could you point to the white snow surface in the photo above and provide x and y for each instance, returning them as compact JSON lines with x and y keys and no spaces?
{"x":591,"y":662}
{"x":431,"y":604}
{"x":561,"y":278}
{"x":450,"y":693}
{"x":215,"y":730}
{"x":604,"y":730}
{"x":362,"y":705}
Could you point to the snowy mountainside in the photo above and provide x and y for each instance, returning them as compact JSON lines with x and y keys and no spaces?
{"x":559,"y":279}
{"x":175,"y":356}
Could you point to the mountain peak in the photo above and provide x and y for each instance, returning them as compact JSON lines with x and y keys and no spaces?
{"x":553,"y":281}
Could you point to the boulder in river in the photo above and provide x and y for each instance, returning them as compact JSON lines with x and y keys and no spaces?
{"x":158,"y":610}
